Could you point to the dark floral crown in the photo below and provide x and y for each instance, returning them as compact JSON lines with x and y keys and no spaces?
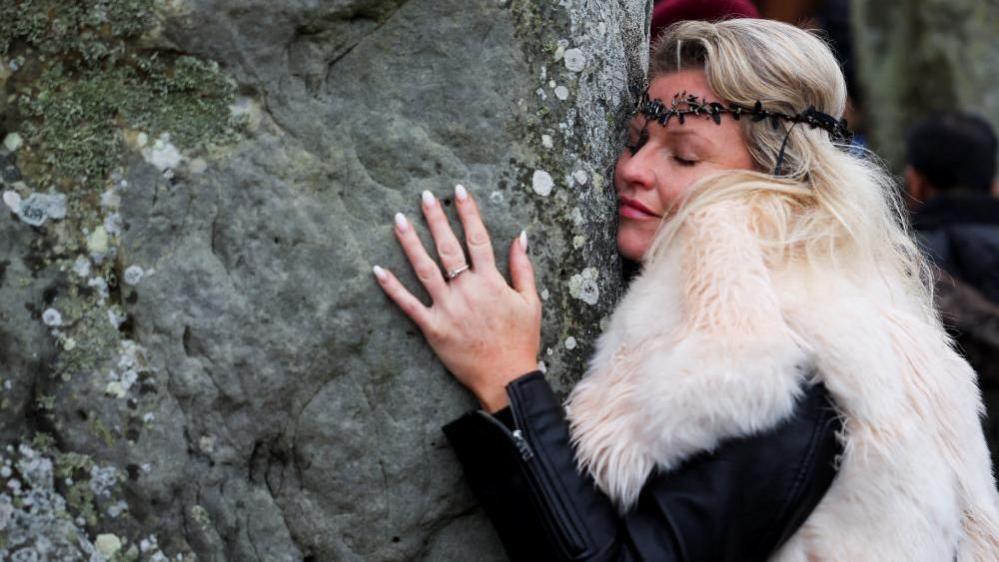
{"x":684,"y":104}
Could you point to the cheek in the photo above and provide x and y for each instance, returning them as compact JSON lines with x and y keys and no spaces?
{"x":676,"y":184}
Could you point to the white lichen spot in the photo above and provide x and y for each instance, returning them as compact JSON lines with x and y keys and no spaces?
{"x":248,"y":111}
{"x":81,"y":266}
{"x":562,"y":93}
{"x":580,"y":176}
{"x":207,"y":443}
{"x":544,"y":71}
{"x":578,"y":241}
{"x":575,"y":60}
{"x":38,"y":207}
{"x":101,"y":285}
{"x":117,"y":508}
{"x":598,"y":181}
{"x":116,"y":319}
{"x":496,"y":197}
{"x":97,"y":242}
{"x":69,"y":344}
{"x":201,"y":517}
{"x":110,"y":198}
{"x":102,"y":480}
{"x":604,"y":322}
{"x":5,"y":472}
{"x":142,"y":139}
{"x":583,"y":286}
{"x":198,"y":166}
{"x":542,"y":183}
{"x":546,"y":141}
{"x":542,"y":367}
{"x":162,"y":154}
{"x":133,"y":274}
{"x":541,"y":93}
{"x":113,"y":224}
{"x":12,"y":199}
{"x":148,"y":417}
{"x":551,"y":83}
{"x":108,"y":544}
{"x":570,"y":342}
{"x":12,"y":142}
{"x":115,"y":389}
{"x":52,"y":317}
{"x":576,"y":216}
{"x":545,"y":294}
{"x":559,"y":52}
{"x":549,"y":351}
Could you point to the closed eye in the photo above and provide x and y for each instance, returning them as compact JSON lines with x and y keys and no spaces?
{"x":684,"y":161}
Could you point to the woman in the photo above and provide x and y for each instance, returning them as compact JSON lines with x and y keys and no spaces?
{"x":774,"y":267}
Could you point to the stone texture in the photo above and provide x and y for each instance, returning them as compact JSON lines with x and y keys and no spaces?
{"x":916,"y":56}
{"x":252,"y":394}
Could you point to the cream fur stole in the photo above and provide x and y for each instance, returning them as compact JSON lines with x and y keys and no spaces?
{"x":710,"y":343}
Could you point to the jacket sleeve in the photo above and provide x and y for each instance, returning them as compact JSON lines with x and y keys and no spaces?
{"x":739,"y":502}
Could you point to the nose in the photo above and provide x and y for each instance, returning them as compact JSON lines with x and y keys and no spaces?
{"x":635,"y":171}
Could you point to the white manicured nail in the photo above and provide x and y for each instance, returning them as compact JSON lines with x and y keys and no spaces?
{"x":460,"y":193}
{"x":401,"y":222}
{"x":523,"y":239}
{"x":380,"y":273}
{"x":428,"y":198}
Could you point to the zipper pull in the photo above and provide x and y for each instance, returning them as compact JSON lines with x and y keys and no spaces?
{"x":522,"y":446}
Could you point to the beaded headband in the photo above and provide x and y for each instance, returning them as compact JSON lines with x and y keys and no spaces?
{"x":684,"y":104}
{"x":657,"y":110}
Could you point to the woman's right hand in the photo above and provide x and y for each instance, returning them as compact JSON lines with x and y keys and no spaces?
{"x":485,"y":331}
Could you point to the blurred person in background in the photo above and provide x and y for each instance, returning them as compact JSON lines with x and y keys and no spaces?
{"x":950,"y":179}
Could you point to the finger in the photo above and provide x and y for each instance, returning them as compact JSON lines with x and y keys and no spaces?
{"x":521,"y":269}
{"x":480,"y":248}
{"x":448,"y":247}
{"x":425,"y":267}
{"x":396,"y":291}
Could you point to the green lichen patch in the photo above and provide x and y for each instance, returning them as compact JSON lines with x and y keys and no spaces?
{"x":71,"y":120}
{"x":94,"y":30}
{"x":78,"y":78}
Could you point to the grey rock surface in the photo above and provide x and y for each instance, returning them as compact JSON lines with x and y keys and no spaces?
{"x":198,"y":346}
{"x":917,"y":56}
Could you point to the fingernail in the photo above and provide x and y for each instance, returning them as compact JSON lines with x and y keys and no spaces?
{"x":379,"y":273}
{"x":460,"y":193}
{"x":428,"y":198}
{"x":523,"y":239}
{"x":401,"y":222}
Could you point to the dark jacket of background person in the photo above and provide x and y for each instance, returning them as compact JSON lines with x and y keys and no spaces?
{"x":950,"y":177}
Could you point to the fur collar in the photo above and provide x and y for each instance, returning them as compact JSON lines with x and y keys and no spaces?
{"x":709,"y":342}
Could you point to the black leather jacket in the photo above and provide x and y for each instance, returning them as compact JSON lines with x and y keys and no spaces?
{"x":740,"y":502}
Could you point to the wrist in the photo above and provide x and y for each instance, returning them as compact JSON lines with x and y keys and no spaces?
{"x":493,"y":397}
{"x":494,"y":401}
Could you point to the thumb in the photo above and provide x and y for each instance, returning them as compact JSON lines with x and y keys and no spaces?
{"x":521,"y":270}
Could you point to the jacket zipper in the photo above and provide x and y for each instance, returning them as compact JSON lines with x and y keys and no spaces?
{"x":565,"y":532}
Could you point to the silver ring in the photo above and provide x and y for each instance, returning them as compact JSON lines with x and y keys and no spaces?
{"x":456,"y":272}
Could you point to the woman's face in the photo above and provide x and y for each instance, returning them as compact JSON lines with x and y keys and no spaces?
{"x":653,"y":175}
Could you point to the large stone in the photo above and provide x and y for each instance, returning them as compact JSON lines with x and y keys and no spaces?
{"x":919,"y":56}
{"x":223,"y":361}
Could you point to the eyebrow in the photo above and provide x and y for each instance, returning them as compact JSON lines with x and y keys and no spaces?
{"x":674,"y":131}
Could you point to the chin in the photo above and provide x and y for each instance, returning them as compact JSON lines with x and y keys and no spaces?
{"x":630,"y":246}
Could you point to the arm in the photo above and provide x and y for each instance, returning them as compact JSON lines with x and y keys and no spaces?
{"x":739,"y":503}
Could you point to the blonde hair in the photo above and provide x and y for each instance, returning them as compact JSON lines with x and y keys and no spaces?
{"x":830,"y":206}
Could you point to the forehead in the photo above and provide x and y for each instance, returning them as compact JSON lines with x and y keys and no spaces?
{"x":695,"y":82}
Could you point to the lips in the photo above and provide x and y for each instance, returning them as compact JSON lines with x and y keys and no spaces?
{"x":634,"y":209}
